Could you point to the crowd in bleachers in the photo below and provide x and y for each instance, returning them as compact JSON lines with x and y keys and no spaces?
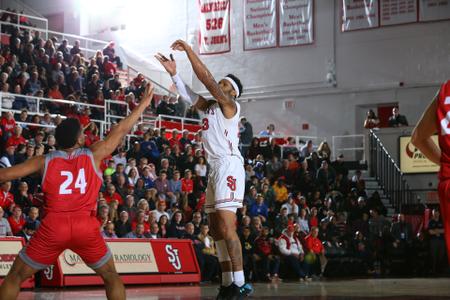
{"x":303,"y":216}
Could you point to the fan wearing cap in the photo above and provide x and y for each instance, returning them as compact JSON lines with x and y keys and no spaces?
{"x":292,"y":253}
{"x":226,"y":182}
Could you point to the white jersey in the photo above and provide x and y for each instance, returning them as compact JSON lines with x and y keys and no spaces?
{"x":220,"y":135}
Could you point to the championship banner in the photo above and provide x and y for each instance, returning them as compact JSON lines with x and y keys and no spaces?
{"x":214,"y":26}
{"x":9,"y":250}
{"x":296,"y":22}
{"x":394,"y":12}
{"x":434,"y":10}
{"x":412,"y":160}
{"x":359,"y":14}
{"x":260,"y":24}
{"x":138,"y":261}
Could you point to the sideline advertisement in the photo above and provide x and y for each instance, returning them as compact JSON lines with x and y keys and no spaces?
{"x":412,"y":161}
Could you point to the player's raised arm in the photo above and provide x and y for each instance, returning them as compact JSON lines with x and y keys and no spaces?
{"x":30,"y":166}
{"x":204,"y":75}
{"x":104,"y":148}
{"x":186,"y":93}
{"x":425,"y":129}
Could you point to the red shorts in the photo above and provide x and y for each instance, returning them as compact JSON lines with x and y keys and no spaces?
{"x":78,"y":232}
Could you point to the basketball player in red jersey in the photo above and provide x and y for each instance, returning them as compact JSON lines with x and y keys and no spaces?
{"x":70,"y":184}
{"x":436,"y":119}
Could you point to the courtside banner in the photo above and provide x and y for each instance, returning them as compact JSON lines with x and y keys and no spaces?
{"x":296,"y":22}
{"x":260,"y":24}
{"x":138,"y":261}
{"x":136,"y":257}
{"x":9,"y":250}
{"x":214,"y":26}
{"x":412,"y":160}
{"x":394,"y":12}
{"x":359,"y":14}
{"x":434,"y":10}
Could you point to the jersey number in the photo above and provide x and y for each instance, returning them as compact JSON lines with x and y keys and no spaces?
{"x":231,"y":183}
{"x":205,"y":123}
{"x":80,"y":183}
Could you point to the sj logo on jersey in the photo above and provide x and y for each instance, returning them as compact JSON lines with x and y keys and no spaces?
{"x":231,"y":183}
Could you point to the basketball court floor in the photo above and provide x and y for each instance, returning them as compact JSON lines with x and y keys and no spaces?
{"x":392,"y":289}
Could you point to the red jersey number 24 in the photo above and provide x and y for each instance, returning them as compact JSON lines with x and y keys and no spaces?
{"x":80,"y":182}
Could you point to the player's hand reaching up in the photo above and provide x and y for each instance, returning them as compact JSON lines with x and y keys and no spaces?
{"x":168,"y":64}
{"x":180,"y":45}
{"x":148,"y":94}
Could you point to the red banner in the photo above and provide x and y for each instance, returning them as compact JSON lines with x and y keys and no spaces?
{"x":138,"y":261}
{"x":214,"y":26}
{"x":359,"y":14}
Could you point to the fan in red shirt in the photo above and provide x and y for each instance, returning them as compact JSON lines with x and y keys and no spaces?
{"x":435,"y":120}
{"x":84,"y":117}
{"x":91,"y":134}
{"x":187,"y":184}
{"x":314,"y":247}
{"x":6,"y":198}
{"x":111,"y":195}
{"x":8,"y":123}
{"x":140,"y":219}
{"x":16,"y":139}
{"x":16,"y":221}
{"x":71,"y":183}
{"x":108,"y":67}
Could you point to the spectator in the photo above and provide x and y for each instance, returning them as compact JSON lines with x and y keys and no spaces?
{"x":6,"y":198}
{"x":437,"y":242}
{"x":161,"y":208}
{"x":111,"y":53}
{"x":291,"y":206}
{"x":33,"y":216}
{"x":27,"y":231}
{"x":292,"y":253}
{"x":396,"y":119}
{"x":109,"y":70}
{"x":163,"y":226}
{"x":16,"y":220}
{"x":307,"y":149}
{"x":154,"y":231}
{"x":270,"y":131}
{"x":371,"y":121}
{"x":5,"y":228}
{"x":108,"y":232}
{"x":314,"y":247}
{"x":259,"y":208}
{"x":265,"y":255}
{"x":138,"y":233}
{"x":281,"y":192}
{"x":211,"y":263}
{"x":123,"y":225}
{"x":248,"y":250}
{"x":246,"y":135}
{"x":164,"y":107}
{"x":177,"y":227}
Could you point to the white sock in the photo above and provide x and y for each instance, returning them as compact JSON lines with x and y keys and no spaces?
{"x":239,"y":278}
{"x":227,"y":278}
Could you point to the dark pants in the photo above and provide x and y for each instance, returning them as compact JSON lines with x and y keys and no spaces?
{"x":300,"y":268}
{"x":270,"y":265}
{"x":210,"y":267}
{"x":437,"y":254}
{"x":249,"y":264}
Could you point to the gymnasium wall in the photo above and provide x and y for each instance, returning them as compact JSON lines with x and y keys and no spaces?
{"x":370,"y":65}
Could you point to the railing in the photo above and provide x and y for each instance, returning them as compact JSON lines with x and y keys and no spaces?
{"x":87,"y":45}
{"x":351,"y":146}
{"x":37,"y":105}
{"x":183,"y":121}
{"x":36,"y":22}
{"x":388,"y":174}
{"x":20,"y":6}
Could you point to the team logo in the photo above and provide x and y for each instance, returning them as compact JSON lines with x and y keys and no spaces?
{"x":231,"y":183}
{"x":49,"y":272}
{"x":174,"y":259}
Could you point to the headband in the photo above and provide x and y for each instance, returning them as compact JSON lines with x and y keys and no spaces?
{"x":234,"y":84}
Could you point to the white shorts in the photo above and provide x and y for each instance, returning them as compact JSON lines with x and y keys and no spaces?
{"x":226,"y":185}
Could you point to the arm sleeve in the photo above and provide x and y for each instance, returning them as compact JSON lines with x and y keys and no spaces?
{"x":185,"y":92}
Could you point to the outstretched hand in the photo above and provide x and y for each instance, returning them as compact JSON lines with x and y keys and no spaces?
{"x":180,"y":45}
{"x":148,"y":94}
{"x":169,"y":64}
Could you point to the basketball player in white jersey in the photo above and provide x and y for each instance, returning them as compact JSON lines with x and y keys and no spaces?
{"x":226,"y":182}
